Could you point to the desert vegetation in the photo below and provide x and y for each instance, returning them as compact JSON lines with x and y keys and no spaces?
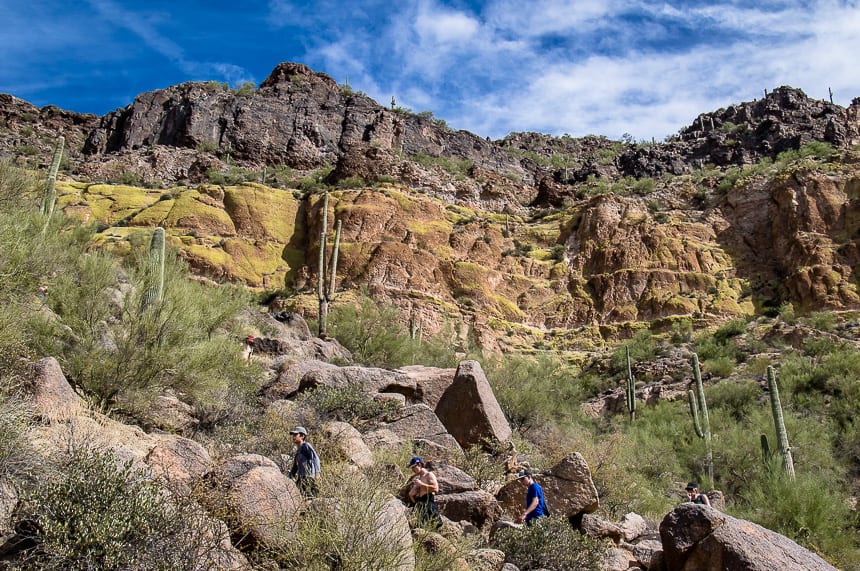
{"x":122,"y":348}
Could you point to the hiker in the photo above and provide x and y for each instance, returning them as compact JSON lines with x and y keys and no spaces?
{"x":422,"y":493}
{"x":306,"y":463}
{"x":249,"y":348}
{"x":535,"y":502}
{"x":694,"y":496}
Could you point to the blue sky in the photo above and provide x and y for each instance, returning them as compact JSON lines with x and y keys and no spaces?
{"x":604,"y":67}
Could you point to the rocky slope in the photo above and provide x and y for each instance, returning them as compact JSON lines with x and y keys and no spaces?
{"x":534,"y":241}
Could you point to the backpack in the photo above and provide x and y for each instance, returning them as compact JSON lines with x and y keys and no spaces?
{"x":315,"y":461}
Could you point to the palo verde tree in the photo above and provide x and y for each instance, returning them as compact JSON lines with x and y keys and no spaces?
{"x":326,"y":283}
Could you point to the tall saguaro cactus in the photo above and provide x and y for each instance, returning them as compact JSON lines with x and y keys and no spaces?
{"x":50,"y":198}
{"x":631,"y":388}
{"x":326,"y":291}
{"x":779,"y":425}
{"x":699,"y":410}
{"x":155,"y":293}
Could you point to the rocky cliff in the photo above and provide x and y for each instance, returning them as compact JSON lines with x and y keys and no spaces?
{"x":533,"y":240}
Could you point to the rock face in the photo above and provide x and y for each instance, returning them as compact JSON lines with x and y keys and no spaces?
{"x":567,"y":487}
{"x":469,"y":409}
{"x":612,"y":258}
{"x":701,"y":538}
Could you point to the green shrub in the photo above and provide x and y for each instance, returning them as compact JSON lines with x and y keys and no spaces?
{"x":377,"y":337}
{"x":96,"y":512}
{"x":348,"y":532}
{"x":122,"y":352}
{"x":643,"y":347}
{"x":15,"y":421}
{"x":247,"y":89}
{"x":207,"y":146}
{"x":551,"y":543}
{"x":730,"y":329}
{"x":348,"y":404}
{"x":535,"y":391}
{"x":644,"y":186}
{"x":721,"y":366}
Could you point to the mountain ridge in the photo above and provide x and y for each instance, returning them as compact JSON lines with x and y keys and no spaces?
{"x":532,"y":240}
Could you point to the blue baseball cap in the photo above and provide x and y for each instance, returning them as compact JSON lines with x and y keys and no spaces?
{"x":416,"y":460}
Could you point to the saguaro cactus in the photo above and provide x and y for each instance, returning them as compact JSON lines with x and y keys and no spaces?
{"x":50,"y":198}
{"x":631,"y":387}
{"x":155,"y":293}
{"x":779,"y":425}
{"x":326,"y":294}
{"x":699,"y":410}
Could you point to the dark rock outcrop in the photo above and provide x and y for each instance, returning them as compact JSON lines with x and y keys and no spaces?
{"x":701,"y":538}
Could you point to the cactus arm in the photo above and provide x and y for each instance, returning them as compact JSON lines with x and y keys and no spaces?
{"x":333,"y":280}
{"x":691,"y":400}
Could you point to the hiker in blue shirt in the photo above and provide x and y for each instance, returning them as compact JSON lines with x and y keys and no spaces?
{"x":535,"y":503}
{"x":306,"y":463}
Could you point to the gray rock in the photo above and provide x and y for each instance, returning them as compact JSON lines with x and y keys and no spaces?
{"x":702,"y":538}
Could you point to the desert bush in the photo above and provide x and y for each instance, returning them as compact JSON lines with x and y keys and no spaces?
{"x":535,"y":391}
{"x":348,"y":404}
{"x":348,"y":531}
{"x":15,"y":421}
{"x":123,"y":351}
{"x":93,"y":511}
{"x":487,"y":468}
{"x":551,"y":543}
{"x":720,"y":366}
{"x":17,"y":185}
{"x":811,"y":510}
{"x":376,"y":336}
{"x":643,"y":347}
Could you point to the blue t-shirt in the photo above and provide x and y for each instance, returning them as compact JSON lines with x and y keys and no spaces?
{"x":535,"y":491}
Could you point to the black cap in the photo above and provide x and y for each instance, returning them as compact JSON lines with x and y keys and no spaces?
{"x":691,"y":486}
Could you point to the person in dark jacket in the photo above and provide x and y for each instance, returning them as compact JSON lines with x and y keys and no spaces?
{"x":306,"y":464}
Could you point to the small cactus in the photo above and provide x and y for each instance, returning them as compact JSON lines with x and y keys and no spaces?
{"x":779,"y":425}
{"x":699,"y":409}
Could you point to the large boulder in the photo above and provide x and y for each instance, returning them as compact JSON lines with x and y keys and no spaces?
{"x":697,"y":537}
{"x":469,"y":409}
{"x":52,"y":394}
{"x":567,"y":487}
{"x":477,"y":507}
{"x":417,"y":423}
{"x":298,"y":376}
{"x":392,"y":528}
{"x":430,"y":382}
{"x":451,"y":479}
{"x":178,"y":461}
{"x":263,"y":503}
{"x":348,"y":443}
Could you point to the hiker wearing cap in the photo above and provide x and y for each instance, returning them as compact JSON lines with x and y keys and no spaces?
{"x":694,"y":496}
{"x":306,"y":463}
{"x":422,"y":493}
{"x":535,"y":503}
